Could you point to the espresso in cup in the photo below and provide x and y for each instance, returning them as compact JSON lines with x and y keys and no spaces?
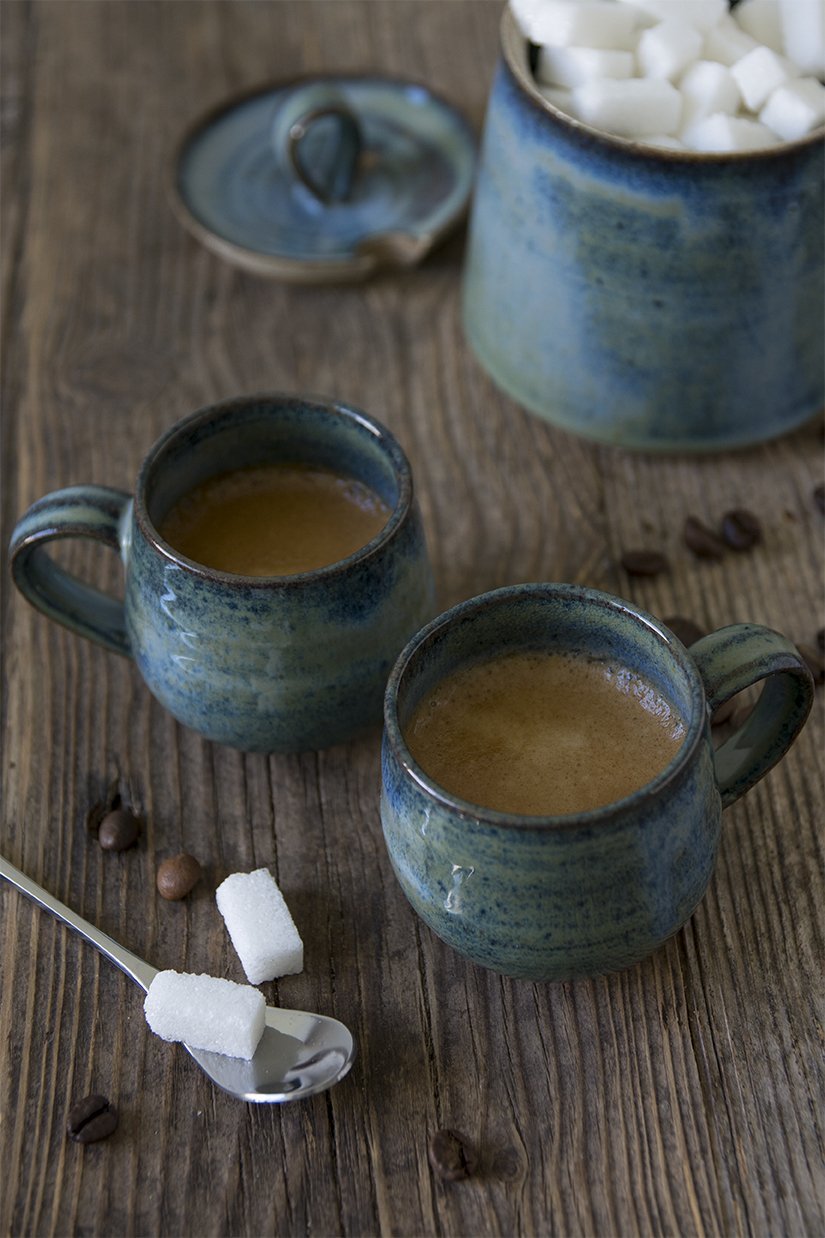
{"x":274,"y":519}
{"x":544,"y":734}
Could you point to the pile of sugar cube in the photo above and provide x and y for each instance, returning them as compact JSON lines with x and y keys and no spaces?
{"x":689,"y":75}
{"x":207,"y":1012}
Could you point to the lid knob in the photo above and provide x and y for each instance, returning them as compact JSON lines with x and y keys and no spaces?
{"x":318,"y":138}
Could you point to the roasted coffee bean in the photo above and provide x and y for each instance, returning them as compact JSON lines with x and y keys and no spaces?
{"x":741,"y":529}
{"x":178,"y":875}
{"x":119,"y":829}
{"x":819,"y":496}
{"x":684,"y":629}
{"x":814,"y":661}
{"x":704,"y":543}
{"x":450,"y":1156}
{"x":644,"y":562}
{"x":90,"y":1119}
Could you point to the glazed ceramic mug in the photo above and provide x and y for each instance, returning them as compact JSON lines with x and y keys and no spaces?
{"x":273,"y":664}
{"x":550,"y":898}
{"x":644,"y":297}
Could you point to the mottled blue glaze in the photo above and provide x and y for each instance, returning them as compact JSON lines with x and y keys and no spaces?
{"x":642,"y":297}
{"x":264,"y":664}
{"x":294,"y":210}
{"x":552,"y":898}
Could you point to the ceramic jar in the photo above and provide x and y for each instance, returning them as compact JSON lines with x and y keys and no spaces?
{"x":644,"y":297}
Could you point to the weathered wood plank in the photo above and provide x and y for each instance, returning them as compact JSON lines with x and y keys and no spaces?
{"x":683,"y":1096}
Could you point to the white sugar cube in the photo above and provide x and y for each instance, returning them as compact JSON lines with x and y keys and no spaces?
{"x":262,"y":930}
{"x":803,"y":33}
{"x":206,"y":1012}
{"x":524,"y":11}
{"x":561,"y":99}
{"x":701,"y":14}
{"x":761,"y":20}
{"x":706,"y":88}
{"x":633,"y":108}
{"x":641,"y":16}
{"x":723,"y":134}
{"x":727,"y":42}
{"x":571,"y":66}
{"x":795,"y":109}
{"x":759,"y":73}
{"x":582,"y":23}
{"x":664,"y":51}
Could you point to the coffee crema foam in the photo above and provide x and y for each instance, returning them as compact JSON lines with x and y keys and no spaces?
{"x":544,"y":734}
{"x":274,"y":520}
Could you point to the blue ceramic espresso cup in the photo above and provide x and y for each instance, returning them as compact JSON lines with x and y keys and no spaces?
{"x":270,"y":664}
{"x":551,"y":898}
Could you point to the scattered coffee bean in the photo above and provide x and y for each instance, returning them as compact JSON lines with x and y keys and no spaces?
{"x":704,"y":543}
{"x":450,"y":1157}
{"x":819,"y":496}
{"x":741,"y":529}
{"x":820,"y":640}
{"x":684,"y":629}
{"x":178,"y":875}
{"x":644,"y":562}
{"x":724,"y":713}
{"x":90,"y":1119}
{"x":119,"y":829}
{"x":814,"y":661}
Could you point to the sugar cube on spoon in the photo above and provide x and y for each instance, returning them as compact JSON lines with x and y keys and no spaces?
{"x":205,"y":1012}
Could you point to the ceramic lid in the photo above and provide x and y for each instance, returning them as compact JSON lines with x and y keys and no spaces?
{"x":325,"y":178}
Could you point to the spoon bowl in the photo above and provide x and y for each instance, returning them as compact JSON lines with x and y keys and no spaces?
{"x":298,"y":1054}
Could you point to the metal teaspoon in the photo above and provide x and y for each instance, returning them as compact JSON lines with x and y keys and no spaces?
{"x":299,"y":1053}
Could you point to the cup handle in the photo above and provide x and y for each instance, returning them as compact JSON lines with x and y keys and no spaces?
{"x":317,"y":137}
{"x":734,"y":658}
{"x":95,"y":512}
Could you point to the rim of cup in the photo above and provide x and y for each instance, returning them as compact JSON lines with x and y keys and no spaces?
{"x":601,"y":817}
{"x":335,"y":408}
{"x":514,"y":49}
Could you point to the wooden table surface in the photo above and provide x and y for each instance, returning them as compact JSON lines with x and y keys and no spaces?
{"x":683,"y":1096}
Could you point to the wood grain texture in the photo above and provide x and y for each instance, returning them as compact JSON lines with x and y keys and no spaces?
{"x":684,"y":1096}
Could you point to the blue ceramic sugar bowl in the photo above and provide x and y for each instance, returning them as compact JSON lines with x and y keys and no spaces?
{"x":644,"y":297}
{"x":550,"y":898}
{"x":272,"y":664}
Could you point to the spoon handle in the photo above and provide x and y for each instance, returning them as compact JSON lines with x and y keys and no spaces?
{"x":134,"y":967}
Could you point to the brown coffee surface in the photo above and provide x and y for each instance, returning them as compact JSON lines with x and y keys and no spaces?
{"x":274,"y":520}
{"x":543,"y":734}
